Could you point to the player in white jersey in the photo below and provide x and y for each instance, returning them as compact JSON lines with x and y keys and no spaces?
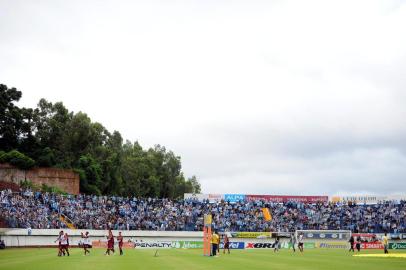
{"x":59,"y":240}
{"x":65,"y":243}
{"x":86,"y":242}
{"x":300,"y":240}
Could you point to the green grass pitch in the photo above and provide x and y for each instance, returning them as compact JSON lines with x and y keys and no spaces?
{"x":328,"y":259}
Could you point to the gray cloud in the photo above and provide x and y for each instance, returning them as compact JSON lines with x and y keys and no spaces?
{"x":298,"y":97}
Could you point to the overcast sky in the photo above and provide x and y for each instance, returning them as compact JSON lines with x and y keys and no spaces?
{"x":257,"y":97}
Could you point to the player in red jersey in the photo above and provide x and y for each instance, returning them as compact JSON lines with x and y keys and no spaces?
{"x":120,"y":243}
{"x":110,"y":243}
{"x":226,"y":243}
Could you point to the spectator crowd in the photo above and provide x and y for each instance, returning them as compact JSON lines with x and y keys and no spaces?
{"x":27,"y":209}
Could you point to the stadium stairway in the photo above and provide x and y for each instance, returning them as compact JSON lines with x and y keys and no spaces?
{"x":67,"y":222}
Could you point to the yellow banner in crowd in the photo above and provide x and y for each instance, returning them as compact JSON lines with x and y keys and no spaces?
{"x":267,"y":214}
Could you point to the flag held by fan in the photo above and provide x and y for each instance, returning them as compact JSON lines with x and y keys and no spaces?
{"x":267,"y":214}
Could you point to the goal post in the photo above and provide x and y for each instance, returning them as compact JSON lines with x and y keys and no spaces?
{"x":207,"y":235}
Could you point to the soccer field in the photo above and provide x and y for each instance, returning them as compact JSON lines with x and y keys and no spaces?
{"x":179,"y":259}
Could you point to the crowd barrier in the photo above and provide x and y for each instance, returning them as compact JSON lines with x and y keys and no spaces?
{"x":173,"y":239}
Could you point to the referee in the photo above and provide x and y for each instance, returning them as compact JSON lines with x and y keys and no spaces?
{"x":385,"y":243}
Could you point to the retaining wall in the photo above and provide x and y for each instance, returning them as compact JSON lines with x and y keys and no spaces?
{"x":66,"y":180}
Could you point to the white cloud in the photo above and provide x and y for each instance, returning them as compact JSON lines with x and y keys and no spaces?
{"x":258,"y":96}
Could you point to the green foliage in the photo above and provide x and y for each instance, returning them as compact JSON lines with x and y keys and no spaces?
{"x":90,"y":174}
{"x":17,"y":159}
{"x":46,"y":188}
{"x":46,"y":158}
{"x":52,"y":136}
{"x":43,"y":188}
{"x":28,"y":184}
{"x":2,"y":156}
{"x":11,"y":120}
{"x":194,"y":184}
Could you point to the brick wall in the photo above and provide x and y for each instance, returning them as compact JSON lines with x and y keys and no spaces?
{"x":66,"y":180}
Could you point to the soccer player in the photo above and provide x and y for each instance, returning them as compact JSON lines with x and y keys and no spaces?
{"x":110,"y":243}
{"x":293,"y":241}
{"x":65,"y":243}
{"x":385,"y":243}
{"x":276,"y":244}
{"x":59,"y":239}
{"x":214,"y":242}
{"x":351,"y":241}
{"x":358,"y":244}
{"x":86,"y":242}
{"x":300,"y":245}
{"x":226,"y":242}
{"x":120,"y":243}
{"x":218,"y":245}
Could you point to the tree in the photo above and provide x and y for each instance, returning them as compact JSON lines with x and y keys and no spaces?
{"x":90,"y":174}
{"x":194,"y":184}
{"x":52,"y":136}
{"x":17,"y":159}
{"x":11,"y":118}
{"x":51,"y":124}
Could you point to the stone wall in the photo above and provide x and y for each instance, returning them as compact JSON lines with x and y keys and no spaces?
{"x":66,"y":180}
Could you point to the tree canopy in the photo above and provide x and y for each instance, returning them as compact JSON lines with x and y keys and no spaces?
{"x":52,"y":136}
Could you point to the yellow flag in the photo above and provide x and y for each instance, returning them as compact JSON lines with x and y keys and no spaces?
{"x":267,"y":214}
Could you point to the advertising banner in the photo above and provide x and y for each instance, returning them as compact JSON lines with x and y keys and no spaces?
{"x":338,"y":244}
{"x":103,"y":244}
{"x":396,"y":198}
{"x":397,"y":245}
{"x":196,"y":197}
{"x":371,"y":245}
{"x":234,"y":245}
{"x":202,"y":197}
{"x":363,"y":199}
{"x":395,"y":236}
{"x":325,"y":235}
{"x":182,"y":244}
{"x":306,"y":245}
{"x":216,"y":197}
{"x":99,"y":244}
{"x":282,"y":199}
{"x":187,"y":244}
{"x":259,"y":245}
{"x":153,"y":244}
{"x":281,"y":234}
{"x":251,"y":234}
{"x":286,"y":245}
{"x":233,"y":198}
{"x":309,"y":245}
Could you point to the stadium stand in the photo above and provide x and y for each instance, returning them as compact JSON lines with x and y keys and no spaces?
{"x":27,"y":209}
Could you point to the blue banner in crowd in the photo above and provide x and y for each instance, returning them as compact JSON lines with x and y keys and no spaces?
{"x":234,"y":245}
{"x":234,"y":197}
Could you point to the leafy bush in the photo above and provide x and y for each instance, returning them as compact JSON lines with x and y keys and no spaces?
{"x":46,"y":188}
{"x":17,"y":159}
{"x":3,"y":157}
{"x":27,"y":184}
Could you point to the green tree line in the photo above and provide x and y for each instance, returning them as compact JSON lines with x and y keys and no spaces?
{"x":52,"y":136}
